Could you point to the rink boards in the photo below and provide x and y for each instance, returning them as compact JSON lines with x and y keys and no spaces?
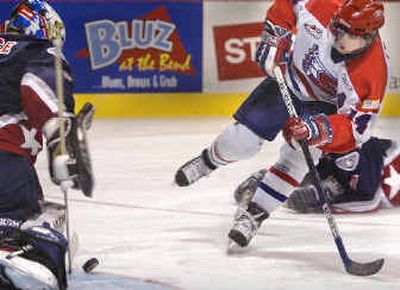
{"x":176,"y":58}
{"x":223,"y":65}
{"x":184,"y":104}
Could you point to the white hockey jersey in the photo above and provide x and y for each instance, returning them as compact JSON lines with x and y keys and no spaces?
{"x":356,"y":85}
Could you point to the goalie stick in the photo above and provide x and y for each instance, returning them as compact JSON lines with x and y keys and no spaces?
{"x":58,"y":69}
{"x":352,"y":267}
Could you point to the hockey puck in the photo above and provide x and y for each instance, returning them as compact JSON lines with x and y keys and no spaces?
{"x":90,"y":265}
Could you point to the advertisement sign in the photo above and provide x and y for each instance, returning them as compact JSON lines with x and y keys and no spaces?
{"x":235,"y":47}
{"x":132,"y":46}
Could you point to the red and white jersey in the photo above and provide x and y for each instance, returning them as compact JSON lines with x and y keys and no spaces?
{"x":356,"y":85}
{"x":27,"y":93}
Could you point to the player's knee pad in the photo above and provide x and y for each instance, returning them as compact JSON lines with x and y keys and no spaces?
{"x":236,"y":142}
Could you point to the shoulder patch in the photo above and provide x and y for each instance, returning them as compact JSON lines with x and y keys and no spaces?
{"x":369,"y":104}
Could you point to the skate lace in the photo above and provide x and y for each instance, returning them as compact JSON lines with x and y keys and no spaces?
{"x":196,"y":169}
{"x":247,"y":220}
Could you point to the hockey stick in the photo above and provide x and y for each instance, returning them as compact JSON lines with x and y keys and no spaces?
{"x":60,"y":96}
{"x":354,"y":268}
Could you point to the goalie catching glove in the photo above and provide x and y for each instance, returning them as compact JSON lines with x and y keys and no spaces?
{"x":75,"y":164}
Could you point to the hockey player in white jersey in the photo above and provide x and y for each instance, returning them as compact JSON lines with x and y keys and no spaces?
{"x":32,"y":245}
{"x":336,"y":71}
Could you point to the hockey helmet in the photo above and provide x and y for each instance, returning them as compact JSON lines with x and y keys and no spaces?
{"x":38,"y":19}
{"x":359,"y":17}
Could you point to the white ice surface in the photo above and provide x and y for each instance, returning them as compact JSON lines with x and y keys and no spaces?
{"x":140,"y":225}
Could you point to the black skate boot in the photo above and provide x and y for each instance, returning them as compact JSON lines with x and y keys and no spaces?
{"x":194,"y":169}
{"x":245,"y":191}
{"x":246,"y":224}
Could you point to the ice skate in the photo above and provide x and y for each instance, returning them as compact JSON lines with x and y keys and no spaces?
{"x":306,"y":199}
{"x":194,"y":169}
{"x":247,"y":221}
{"x":245,"y":191}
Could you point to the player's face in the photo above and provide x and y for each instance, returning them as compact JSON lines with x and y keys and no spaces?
{"x":347,"y":43}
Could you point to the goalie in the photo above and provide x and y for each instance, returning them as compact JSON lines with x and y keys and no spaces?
{"x":361,"y":181}
{"x":32,"y":245}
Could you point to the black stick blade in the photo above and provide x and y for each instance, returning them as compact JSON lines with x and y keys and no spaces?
{"x":365,"y":269}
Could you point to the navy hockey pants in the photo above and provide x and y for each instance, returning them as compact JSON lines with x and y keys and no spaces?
{"x":20,"y":190}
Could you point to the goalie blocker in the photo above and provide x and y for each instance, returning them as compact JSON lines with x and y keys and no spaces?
{"x":76,"y":165}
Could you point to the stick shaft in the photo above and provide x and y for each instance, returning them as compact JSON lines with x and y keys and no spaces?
{"x":314,"y":173}
{"x":58,"y":67}
{"x":59,"y":78}
{"x":67,"y":226}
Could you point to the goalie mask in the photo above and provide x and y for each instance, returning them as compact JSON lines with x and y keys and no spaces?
{"x":356,"y":24}
{"x":38,"y":19}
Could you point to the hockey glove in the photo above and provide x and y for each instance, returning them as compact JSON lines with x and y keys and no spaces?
{"x":61,"y":164}
{"x":273,"y":48}
{"x":75,"y":164}
{"x":316,"y":129}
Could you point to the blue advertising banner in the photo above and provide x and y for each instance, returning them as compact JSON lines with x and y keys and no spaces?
{"x":131,"y":46}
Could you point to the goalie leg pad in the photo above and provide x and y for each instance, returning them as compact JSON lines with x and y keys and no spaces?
{"x":49,"y":248}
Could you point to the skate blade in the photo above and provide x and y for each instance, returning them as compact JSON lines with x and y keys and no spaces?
{"x":234,"y":249}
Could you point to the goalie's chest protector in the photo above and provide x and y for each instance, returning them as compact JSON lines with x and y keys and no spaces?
{"x":16,"y":132}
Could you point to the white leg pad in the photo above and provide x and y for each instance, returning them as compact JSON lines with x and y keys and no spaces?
{"x":236,"y":142}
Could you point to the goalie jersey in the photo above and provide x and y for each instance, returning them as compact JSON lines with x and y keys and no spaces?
{"x":356,"y":84}
{"x":27,"y":92}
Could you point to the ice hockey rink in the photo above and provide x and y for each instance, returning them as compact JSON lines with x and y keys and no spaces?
{"x":149,"y":234}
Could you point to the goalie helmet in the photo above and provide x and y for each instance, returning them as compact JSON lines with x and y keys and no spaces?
{"x":38,"y":19}
{"x":359,"y":17}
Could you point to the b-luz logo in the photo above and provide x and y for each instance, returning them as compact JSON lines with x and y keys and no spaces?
{"x":148,"y":43}
{"x":108,"y":39}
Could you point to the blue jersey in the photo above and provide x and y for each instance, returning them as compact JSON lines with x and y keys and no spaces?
{"x":27,"y":92}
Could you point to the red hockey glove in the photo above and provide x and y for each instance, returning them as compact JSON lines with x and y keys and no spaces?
{"x":274,"y":47}
{"x":316,"y":129}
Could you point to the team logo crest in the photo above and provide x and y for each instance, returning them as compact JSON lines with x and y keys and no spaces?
{"x":316,"y":70}
{"x":348,"y":162}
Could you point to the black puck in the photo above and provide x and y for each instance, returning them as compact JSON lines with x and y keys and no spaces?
{"x":90,"y":265}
